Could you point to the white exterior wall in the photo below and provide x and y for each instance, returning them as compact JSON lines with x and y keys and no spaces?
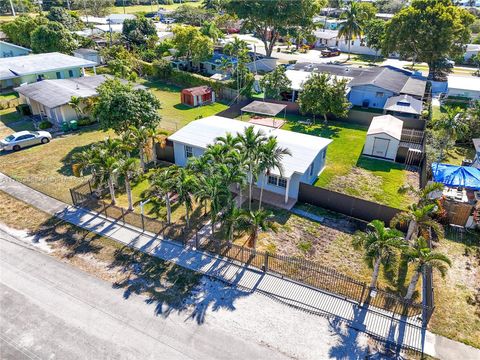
{"x":471,"y":94}
{"x":392,"y":146}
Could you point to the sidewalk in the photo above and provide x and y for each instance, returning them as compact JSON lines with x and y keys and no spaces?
{"x":380,"y":325}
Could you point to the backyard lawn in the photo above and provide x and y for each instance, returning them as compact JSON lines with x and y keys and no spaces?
{"x":348,"y":172}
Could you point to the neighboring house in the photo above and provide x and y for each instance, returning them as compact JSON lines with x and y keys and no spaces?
{"x":328,"y":24}
{"x":197,"y":96}
{"x":50,"y":98}
{"x":12,"y":50}
{"x":464,"y":87}
{"x":88,"y":54}
{"x":476,"y":160}
{"x":372,"y":89}
{"x":37,"y":67}
{"x":326,"y":37}
{"x":471,"y":51}
{"x":304,"y":166}
{"x":404,"y":106}
{"x":383,"y":137}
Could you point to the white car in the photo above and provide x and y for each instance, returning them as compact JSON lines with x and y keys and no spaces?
{"x":23,"y":139}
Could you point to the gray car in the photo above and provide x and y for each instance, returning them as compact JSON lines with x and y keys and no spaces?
{"x":23,"y":139}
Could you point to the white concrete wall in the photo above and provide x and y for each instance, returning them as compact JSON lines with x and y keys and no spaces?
{"x":392,"y":146}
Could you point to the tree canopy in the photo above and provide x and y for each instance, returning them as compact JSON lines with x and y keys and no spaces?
{"x":120,"y":106}
{"x":323,"y":95}
{"x":51,"y":37}
{"x":270,"y":19}
{"x":192,"y":44}
{"x":19,"y":31}
{"x":274,"y":83}
{"x":138,"y":31}
{"x":65,"y":17}
{"x":428,"y":31}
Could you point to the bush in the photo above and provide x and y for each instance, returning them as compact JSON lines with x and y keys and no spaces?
{"x":45,"y":125}
{"x":24,"y":110}
{"x":86,"y":121}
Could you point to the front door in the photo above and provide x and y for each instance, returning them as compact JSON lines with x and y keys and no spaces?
{"x":380,"y":147}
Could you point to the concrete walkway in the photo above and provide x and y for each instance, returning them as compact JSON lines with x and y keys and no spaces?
{"x":379,"y":324}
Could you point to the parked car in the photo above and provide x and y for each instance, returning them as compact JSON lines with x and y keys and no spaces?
{"x":23,"y":139}
{"x":331,"y":51}
{"x":168,"y":20}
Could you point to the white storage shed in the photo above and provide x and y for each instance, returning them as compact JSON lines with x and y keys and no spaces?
{"x":383,"y":137}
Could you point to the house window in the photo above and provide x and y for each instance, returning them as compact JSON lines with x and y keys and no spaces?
{"x":59,"y":75}
{"x":336,"y":43}
{"x":379,"y":94}
{"x":70,"y":73}
{"x":188,"y":151}
{"x":282,"y":182}
{"x":324,"y":153}
{"x":272,"y":180}
{"x":353,"y":42}
{"x":311,"y":169}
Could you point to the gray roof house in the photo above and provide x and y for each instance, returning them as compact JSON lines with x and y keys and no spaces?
{"x":28,"y":69}
{"x":12,"y":50}
{"x":404,"y":106}
{"x":50,"y":98}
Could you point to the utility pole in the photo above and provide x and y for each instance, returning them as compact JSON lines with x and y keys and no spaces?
{"x":13,"y":9}
{"x":124,"y":6}
{"x":85,"y":9}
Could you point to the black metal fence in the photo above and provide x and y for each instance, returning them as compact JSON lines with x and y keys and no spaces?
{"x":297,"y":269}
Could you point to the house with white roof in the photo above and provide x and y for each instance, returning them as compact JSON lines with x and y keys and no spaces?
{"x":303,"y":166}
{"x":12,"y":50}
{"x":28,"y":69}
{"x":467,"y":87}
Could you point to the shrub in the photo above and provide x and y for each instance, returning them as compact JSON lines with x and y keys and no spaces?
{"x":45,"y":125}
{"x":24,"y":109}
{"x":86,"y":121}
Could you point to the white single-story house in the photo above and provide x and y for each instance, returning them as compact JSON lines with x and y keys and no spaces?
{"x":88,"y":54}
{"x":326,"y":37}
{"x":12,"y":50}
{"x":383,"y":137}
{"x":471,"y":51}
{"x":464,"y":86}
{"x":28,"y":69}
{"x":304,"y":166}
{"x":50,"y":98}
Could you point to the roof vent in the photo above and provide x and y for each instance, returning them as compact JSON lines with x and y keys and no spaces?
{"x":78,"y":87}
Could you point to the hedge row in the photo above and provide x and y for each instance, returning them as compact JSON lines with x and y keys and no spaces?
{"x":7,"y":104}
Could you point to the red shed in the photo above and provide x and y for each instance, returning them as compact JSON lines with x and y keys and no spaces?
{"x":198,"y":96}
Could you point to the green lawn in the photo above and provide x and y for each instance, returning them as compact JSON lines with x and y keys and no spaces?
{"x":150,"y":8}
{"x":347,"y":171}
{"x":9,"y":96}
{"x":10,"y":122}
{"x":176,"y":115}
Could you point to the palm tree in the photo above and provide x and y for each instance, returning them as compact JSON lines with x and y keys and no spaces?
{"x":128,"y":168}
{"x":351,"y":28}
{"x":231,"y":218}
{"x":251,"y":141}
{"x":139,"y":136}
{"x":156,"y":137}
{"x":254,"y":221}
{"x":75,"y":102}
{"x":452,"y":125}
{"x":184,"y":186}
{"x":378,"y":243}
{"x":422,"y":256}
{"x":424,"y":195}
{"x":108,"y":168}
{"x":162,"y":183}
{"x":210,"y":29}
{"x":270,"y":157}
{"x":420,"y":221}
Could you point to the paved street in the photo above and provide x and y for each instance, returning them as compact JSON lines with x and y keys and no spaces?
{"x":52,"y":310}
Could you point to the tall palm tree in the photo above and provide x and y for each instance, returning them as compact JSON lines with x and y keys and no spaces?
{"x":184,"y":186}
{"x":231,"y":218}
{"x":270,"y":157}
{"x":351,"y":28}
{"x":128,"y":168}
{"x":423,"y":195}
{"x":420,"y":221}
{"x":422,"y":256}
{"x":139,"y":136}
{"x":156,"y":137}
{"x":254,"y":221}
{"x":378,"y":243}
{"x":452,"y":125}
{"x":75,"y":102}
{"x":251,"y":141}
{"x":108,"y":168}
{"x":162,"y":184}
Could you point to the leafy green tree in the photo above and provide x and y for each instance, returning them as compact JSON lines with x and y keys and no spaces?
{"x":379,"y":244}
{"x":270,"y":19}
{"x":190,"y":15}
{"x":19,"y":31}
{"x":428,"y":31}
{"x":423,"y":257}
{"x":96,"y":8}
{"x":192,"y":44}
{"x":51,"y":37}
{"x":210,"y":29}
{"x":138,"y":31}
{"x":353,"y":26}
{"x":215,"y":5}
{"x":120,"y":106}
{"x":121,"y":62}
{"x":255,"y":221}
{"x":374,"y":31}
{"x":275,"y":83}
{"x":322,"y":95}
{"x":64,"y":17}
{"x":471,"y":120}
{"x":367,"y":12}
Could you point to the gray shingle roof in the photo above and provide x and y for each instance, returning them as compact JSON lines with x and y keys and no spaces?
{"x":404,"y":103}
{"x":264,"y":108}
{"x":392,"y":80}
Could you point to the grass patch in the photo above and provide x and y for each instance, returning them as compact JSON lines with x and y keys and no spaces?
{"x":174,"y":114}
{"x":10,"y":122}
{"x":19,"y":215}
{"x":8,"y":96}
{"x":458,"y":153}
